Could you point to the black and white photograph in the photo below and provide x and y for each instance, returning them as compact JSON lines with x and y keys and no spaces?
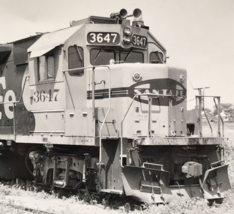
{"x":116,"y":106}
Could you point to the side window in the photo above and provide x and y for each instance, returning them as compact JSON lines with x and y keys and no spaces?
{"x":156,"y":57}
{"x":101,"y":56}
{"x":46,"y":67}
{"x":50,"y":68}
{"x":75,"y":60}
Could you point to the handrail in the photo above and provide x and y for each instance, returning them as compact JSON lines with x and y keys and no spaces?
{"x":205,"y":113}
{"x":121,"y":130}
{"x":93,"y":101}
{"x":149,"y":95}
{"x":172,"y":123}
{"x":201,"y":108}
{"x":200,"y":117}
{"x":75,"y":69}
{"x":219,"y":116}
{"x":93,"y":92}
{"x":69,"y":90}
{"x":208,"y":123}
{"x":149,"y":116}
{"x":104,"y":120}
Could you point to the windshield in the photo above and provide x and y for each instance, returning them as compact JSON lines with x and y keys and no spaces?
{"x":103,"y":56}
{"x":131,"y":57}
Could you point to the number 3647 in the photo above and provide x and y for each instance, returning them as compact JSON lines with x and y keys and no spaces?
{"x":43,"y":96}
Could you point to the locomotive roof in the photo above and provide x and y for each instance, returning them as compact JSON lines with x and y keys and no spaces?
{"x":96,"y":20}
{"x":49,"y":41}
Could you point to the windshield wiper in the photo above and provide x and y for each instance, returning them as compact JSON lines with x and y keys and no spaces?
{"x":98,"y":54}
{"x":159,"y":57}
{"x":127,"y":55}
{"x":78,"y":51}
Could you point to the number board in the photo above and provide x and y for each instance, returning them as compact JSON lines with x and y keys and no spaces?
{"x":139,"y":41}
{"x":103,"y":38}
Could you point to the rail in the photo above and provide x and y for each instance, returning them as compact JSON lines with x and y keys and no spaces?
{"x":150,"y":97}
{"x":208,"y":122}
{"x":219,"y":116}
{"x":121,"y":131}
{"x":200,"y":98}
{"x":93,"y":100}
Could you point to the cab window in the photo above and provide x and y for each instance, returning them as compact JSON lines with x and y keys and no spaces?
{"x":156,"y":57}
{"x":131,"y":57}
{"x":101,"y":56}
{"x":75,"y":60}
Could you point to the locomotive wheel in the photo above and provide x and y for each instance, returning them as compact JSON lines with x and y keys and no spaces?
{"x":12,"y":166}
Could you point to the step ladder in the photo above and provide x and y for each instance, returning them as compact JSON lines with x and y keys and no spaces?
{"x":151,"y":179}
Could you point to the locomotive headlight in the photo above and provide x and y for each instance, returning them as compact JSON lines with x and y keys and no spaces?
{"x":127,"y":31}
{"x":127,"y":35}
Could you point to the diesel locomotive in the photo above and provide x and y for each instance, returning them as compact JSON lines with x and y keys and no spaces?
{"x":95,"y":106}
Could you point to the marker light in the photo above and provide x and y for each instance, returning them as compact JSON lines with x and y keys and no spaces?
{"x":127,"y":31}
{"x":126,"y":40}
